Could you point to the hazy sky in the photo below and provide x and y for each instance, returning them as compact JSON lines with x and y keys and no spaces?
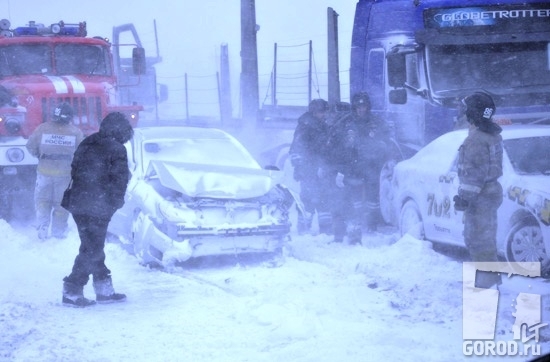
{"x":190,"y":33}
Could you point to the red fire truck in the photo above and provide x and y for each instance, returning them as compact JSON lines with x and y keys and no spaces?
{"x":41,"y":66}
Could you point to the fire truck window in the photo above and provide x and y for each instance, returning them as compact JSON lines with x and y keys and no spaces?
{"x":25,"y":59}
{"x":81,"y":59}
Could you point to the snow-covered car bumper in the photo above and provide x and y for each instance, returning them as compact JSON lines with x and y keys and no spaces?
{"x":179,"y":243}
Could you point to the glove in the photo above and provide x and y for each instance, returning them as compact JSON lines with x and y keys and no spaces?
{"x":460,"y":203}
{"x":340,"y":180}
{"x":321,"y":172}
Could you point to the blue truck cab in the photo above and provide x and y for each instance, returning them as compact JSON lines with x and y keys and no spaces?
{"x":417,"y":58}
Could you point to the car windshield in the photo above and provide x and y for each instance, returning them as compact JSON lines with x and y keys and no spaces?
{"x":207,"y":151}
{"x":529,"y":155}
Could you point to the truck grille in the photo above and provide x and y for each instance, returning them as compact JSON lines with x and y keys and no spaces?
{"x":87,"y":110}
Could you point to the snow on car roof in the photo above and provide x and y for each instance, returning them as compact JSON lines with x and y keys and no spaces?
{"x":181,"y":131}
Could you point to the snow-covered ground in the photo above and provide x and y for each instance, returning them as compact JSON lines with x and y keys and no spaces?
{"x":391,"y":299}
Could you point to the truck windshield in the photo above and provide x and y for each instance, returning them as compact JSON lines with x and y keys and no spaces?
{"x":81,"y":59}
{"x":23,"y":59}
{"x":513,"y":67}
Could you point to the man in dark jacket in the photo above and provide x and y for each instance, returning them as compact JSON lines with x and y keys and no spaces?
{"x":100,"y":176}
{"x":480,"y":193}
{"x":306,"y":155}
{"x":357,"y":153}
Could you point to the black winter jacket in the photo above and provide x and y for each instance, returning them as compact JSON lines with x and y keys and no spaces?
{"x":100,"y":176}
{"x":358,"y":147}
{"x":308,"y":147}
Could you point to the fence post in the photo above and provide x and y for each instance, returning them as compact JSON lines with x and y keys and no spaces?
{"x":274,"y":83}
{"x":309,"y":72}
{"x":186,"y":99}
{"x":224,"y":85}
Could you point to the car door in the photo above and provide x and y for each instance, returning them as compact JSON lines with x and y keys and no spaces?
{"x":448,"y":224}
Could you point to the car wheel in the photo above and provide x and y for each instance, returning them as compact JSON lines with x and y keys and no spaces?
{"x":410,"y":220}
{"x":525,"y":242}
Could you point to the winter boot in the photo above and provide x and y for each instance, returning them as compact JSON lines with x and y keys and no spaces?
{"x":105,"y":293}
{"x":354,"y":235}
{"x":325,"y":223}
{"x":304,"y":222}
{"x":73,"y":296}
{"x":43,"y":231}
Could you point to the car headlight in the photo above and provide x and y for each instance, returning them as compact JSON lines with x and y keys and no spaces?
{"x":12,"y":123}
{"x":15,"y":155}
{"x":175,"y":214}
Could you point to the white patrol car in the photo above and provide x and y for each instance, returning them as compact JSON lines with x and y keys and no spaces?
{"x":417,"y":196}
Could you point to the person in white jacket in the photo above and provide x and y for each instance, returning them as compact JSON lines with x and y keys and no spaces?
{"x":54,"y":144}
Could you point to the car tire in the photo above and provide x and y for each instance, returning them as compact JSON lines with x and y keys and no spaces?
{"x":525,"y":242}
{"x":410,"y":220}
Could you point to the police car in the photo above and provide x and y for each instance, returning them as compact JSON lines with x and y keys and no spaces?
{"x":417,"y":196}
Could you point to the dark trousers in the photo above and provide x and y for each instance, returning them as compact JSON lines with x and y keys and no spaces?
{"x":91,"y":256}
{"x":480,"y":230}
{"x":314,"y":196}
{"x":347,"y":212}
{"x":372,"y":204}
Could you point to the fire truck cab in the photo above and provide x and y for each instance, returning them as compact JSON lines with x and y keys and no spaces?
{"x":40,"y":67}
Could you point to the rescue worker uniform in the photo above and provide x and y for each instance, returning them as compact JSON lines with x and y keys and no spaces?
{"x":480,"y":193}
{"x":54,"y":144}
{"x":306,"y":155}
{"x":100,"y":177}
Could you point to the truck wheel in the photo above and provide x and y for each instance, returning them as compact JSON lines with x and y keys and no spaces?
{"x":525,"y":242}
{"x":410,"y":221}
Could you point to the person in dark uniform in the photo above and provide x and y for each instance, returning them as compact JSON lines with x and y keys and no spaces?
{"x":306,"y":155}
{"x":100,"y":176}
{"x":357,"y":154}
{"x":480,"y":193}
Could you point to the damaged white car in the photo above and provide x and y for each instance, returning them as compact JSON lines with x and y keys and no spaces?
{"x":197,"y":192}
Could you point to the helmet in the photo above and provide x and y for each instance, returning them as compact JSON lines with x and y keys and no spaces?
{"x":63,"y":113}
{"x":361,"y":98}
{"x":318,"y":105}
{"x":478,"y":107}
{"x":115,"y":125}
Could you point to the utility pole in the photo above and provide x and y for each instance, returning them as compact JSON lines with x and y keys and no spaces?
{"x":249,"y":62}
{"x":333,"y":63}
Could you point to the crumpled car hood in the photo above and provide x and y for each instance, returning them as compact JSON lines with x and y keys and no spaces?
{"x":222,"y":182}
